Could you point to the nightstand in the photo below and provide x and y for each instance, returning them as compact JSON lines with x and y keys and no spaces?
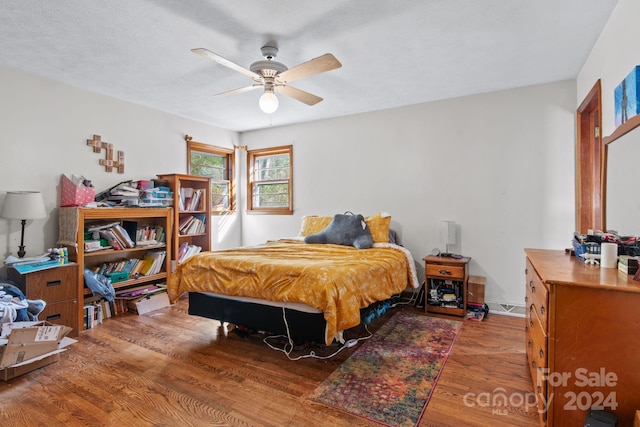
{"x":446,"y":285}
{"x":58,"y":287}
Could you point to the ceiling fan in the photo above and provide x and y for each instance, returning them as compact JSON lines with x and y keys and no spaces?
{"x":274,"y":76}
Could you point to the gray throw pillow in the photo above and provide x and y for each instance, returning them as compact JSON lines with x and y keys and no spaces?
{"x":346,"y":230}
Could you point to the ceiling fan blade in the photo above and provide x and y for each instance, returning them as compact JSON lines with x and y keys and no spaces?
{"x":240,"y":90}
{"x":222,"y":61}
{"x":300,"y":95}
{"x":321,"y":64}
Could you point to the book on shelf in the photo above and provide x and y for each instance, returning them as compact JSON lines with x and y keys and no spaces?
{"x":192,"y":224}
{"x":189,"y":198}
{"x":139,"y":291}
{"x":150,"y":235}
{"x":153,"y":262}
{"x":117,"y":237}
{"x":186,"y":251}
{"x":102,"y":226}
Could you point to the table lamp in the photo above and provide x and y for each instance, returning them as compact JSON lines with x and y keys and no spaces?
{"x":447,"y":235}
{"x":23,"y":205}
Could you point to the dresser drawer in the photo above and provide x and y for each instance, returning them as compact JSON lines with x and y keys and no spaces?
{"x":537,"y":358}
{"x":445,"y":271}
{"x":537,"y":296}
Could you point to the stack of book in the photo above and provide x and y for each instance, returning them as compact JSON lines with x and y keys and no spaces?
{"x":192,"y":224}
{"x":150,"y":235}
{"x":186,"y":250}
{"x":96,"y":309}
{"x":114,"y":233}
{"x":151,"y":264}
{"x":189,"y":199}
{"x":628,"y":264}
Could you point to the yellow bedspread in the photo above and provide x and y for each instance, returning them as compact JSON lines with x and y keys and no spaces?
{"x":338,"y":280}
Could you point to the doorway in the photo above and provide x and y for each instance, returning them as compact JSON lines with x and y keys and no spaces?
{"x":590,"y":160}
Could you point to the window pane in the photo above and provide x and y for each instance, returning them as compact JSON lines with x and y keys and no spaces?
{"x":271,"y":195}
{"x":211,"y":165}
{"x":268,"y":168}
{"x":220,"y":195}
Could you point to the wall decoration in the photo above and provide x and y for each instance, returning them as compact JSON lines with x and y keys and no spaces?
{"x":627,"y":97}
{"x":109,"y":164}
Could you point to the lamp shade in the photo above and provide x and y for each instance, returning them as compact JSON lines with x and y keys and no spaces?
{"x":23,"y":205}
{"x":448,"y":232}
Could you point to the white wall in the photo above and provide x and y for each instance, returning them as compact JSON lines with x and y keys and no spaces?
{"x":44,"y":129}
{"x":614,"y":55}
{"x":499,"y":164}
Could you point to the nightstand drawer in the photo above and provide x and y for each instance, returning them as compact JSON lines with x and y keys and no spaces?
{"x":51,"y":285}
{"x":61,"y":313}
{"x":445,"y":271}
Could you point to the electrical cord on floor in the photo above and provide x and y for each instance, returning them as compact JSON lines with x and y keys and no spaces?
{"x":288,"y":348}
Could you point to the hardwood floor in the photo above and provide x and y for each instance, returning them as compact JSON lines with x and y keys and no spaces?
{"x":168,"y":368}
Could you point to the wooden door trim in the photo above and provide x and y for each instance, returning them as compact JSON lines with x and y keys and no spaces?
{"x":595,"y":214}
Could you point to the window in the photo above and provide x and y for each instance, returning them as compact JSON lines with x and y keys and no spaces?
{"x":216,"y":163}
{"x":269,"y":180}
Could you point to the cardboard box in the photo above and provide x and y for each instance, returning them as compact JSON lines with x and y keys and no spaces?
{"x":15,"y":371}
{"x":149,"y":302}
{"x":29,"y":340}
{"x":475,"y":289}
{"x":74,"y":193}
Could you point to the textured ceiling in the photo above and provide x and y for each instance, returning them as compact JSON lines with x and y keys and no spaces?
{"x":394,"y":53}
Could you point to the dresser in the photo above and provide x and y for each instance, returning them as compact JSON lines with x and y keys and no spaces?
{"x":582,"y":338}
{"x":58,"y":287}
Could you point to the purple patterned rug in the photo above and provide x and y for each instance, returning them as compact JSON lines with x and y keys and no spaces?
{"x":389,"y":379}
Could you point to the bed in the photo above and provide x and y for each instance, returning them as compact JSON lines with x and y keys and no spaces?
{"x":311,"y":292}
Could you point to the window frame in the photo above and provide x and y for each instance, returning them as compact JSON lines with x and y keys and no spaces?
{"x":230,"y":161}
{"x":252,"y":156}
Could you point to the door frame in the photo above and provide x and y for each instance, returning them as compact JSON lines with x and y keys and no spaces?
{"x":590,"y":163}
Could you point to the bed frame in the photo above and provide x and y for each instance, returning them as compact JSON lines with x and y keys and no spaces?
{"x":303,"y":327}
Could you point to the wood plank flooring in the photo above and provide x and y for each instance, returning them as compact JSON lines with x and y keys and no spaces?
{"x":168,"y":368}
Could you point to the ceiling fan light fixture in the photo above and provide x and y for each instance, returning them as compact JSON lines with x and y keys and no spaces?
{"x":268,"y":102}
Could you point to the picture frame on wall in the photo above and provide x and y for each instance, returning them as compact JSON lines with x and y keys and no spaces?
{"x":626,"y":97}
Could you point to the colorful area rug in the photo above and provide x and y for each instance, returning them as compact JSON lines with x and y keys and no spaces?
{"x":390,"y":378}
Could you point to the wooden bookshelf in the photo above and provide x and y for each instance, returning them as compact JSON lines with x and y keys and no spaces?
{"x":178,"y":183}
{"x":85,"y":217}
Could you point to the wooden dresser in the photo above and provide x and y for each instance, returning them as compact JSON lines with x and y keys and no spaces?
{"x":582,"y":338}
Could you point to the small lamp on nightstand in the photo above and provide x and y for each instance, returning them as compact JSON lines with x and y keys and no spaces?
{"x":23,"y":205}
{"x":447,"y":235}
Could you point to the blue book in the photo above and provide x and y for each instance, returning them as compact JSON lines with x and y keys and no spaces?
{"x":35,"y":266}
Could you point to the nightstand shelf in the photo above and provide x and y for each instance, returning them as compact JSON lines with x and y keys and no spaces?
{"x":446,"y":285}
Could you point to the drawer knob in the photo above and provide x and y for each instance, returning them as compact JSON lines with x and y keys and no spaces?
{"x":541,"y":353}
{"x":542,"y":309}
{"x":533,"y":288}
{"x":444,"y":272}
{"x":533,"y":363}
{"x":54,"y":317}
{"x":54,"y":283}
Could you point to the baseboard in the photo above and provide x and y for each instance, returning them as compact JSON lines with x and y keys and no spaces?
{"x":507,"y":309}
